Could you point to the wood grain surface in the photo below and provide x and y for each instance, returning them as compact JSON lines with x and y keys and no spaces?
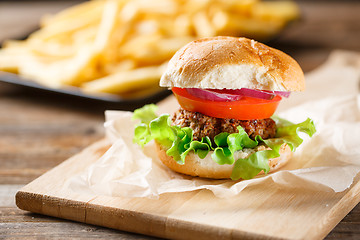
{"x":264,"y":211}
{"x":39,"y":130}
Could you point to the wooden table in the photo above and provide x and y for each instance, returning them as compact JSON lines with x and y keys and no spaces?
{"x":40,"y":130}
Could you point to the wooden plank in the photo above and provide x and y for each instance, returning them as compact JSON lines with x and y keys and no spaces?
{"x":263,"y":211}
{"x":24,"y":224}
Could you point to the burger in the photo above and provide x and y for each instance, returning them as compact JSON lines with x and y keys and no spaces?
{"x":228,"y":90}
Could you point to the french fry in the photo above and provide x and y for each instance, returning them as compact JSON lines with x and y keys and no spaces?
{"x":62,"y":31}
{"x":280,"y":10}
{"x":182,"y":26}
{"x":122,"y":66}
{"x":203,"y":26}
{"x":108,"y":22}
{"x":125,"y":81}
{"x":155,"y":49}
{"x":72,"y":71}
{"x":85,"y":10}
{"x":227,"y":24}
{"x":13,"y":54}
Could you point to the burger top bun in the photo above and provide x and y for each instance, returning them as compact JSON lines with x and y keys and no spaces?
{"x":232,"y":63}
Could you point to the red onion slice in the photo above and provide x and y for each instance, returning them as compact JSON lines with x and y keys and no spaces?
{"x":226,"y":95}
{"x":253,"y":93}
{"x":212,"y":95}
{"x":257,"y":93}
{"x":282,"y":93}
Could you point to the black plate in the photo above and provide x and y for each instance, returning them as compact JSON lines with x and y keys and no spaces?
{"x":112,"y":99}
{"x":115,"y":101}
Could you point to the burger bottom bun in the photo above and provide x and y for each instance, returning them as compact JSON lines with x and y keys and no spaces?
{"x":208,"y":168}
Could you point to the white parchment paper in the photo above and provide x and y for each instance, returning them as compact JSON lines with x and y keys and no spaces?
{"x":328,"y":161}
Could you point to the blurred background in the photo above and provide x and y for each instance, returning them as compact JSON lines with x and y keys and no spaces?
{"x":116,"y":51}
{"x":322,"y":24}
{"x":83,"y":57}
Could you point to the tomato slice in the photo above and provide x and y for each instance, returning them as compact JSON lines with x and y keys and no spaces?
{"x":247,"y":108}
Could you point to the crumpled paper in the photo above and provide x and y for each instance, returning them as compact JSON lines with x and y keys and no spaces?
{"x":329,"y":161}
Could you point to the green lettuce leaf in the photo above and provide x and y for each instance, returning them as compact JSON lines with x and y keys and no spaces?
{"x":179,"y":142}
{"x":240,"y":140}
{"x":145,"y":114}
{"x":249,"y":167}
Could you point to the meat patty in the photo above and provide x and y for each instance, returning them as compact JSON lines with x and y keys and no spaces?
{"x":203,"y":125}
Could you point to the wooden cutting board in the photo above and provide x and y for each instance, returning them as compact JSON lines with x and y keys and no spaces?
{"x":261,"y":211}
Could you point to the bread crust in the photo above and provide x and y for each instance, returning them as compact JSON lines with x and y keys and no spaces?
{"x":208,"y":168}
{"x":232,"y":63}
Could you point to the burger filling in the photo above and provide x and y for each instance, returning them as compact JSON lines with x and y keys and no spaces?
{"x":203,"y":125}
{"x":223,"y":138}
